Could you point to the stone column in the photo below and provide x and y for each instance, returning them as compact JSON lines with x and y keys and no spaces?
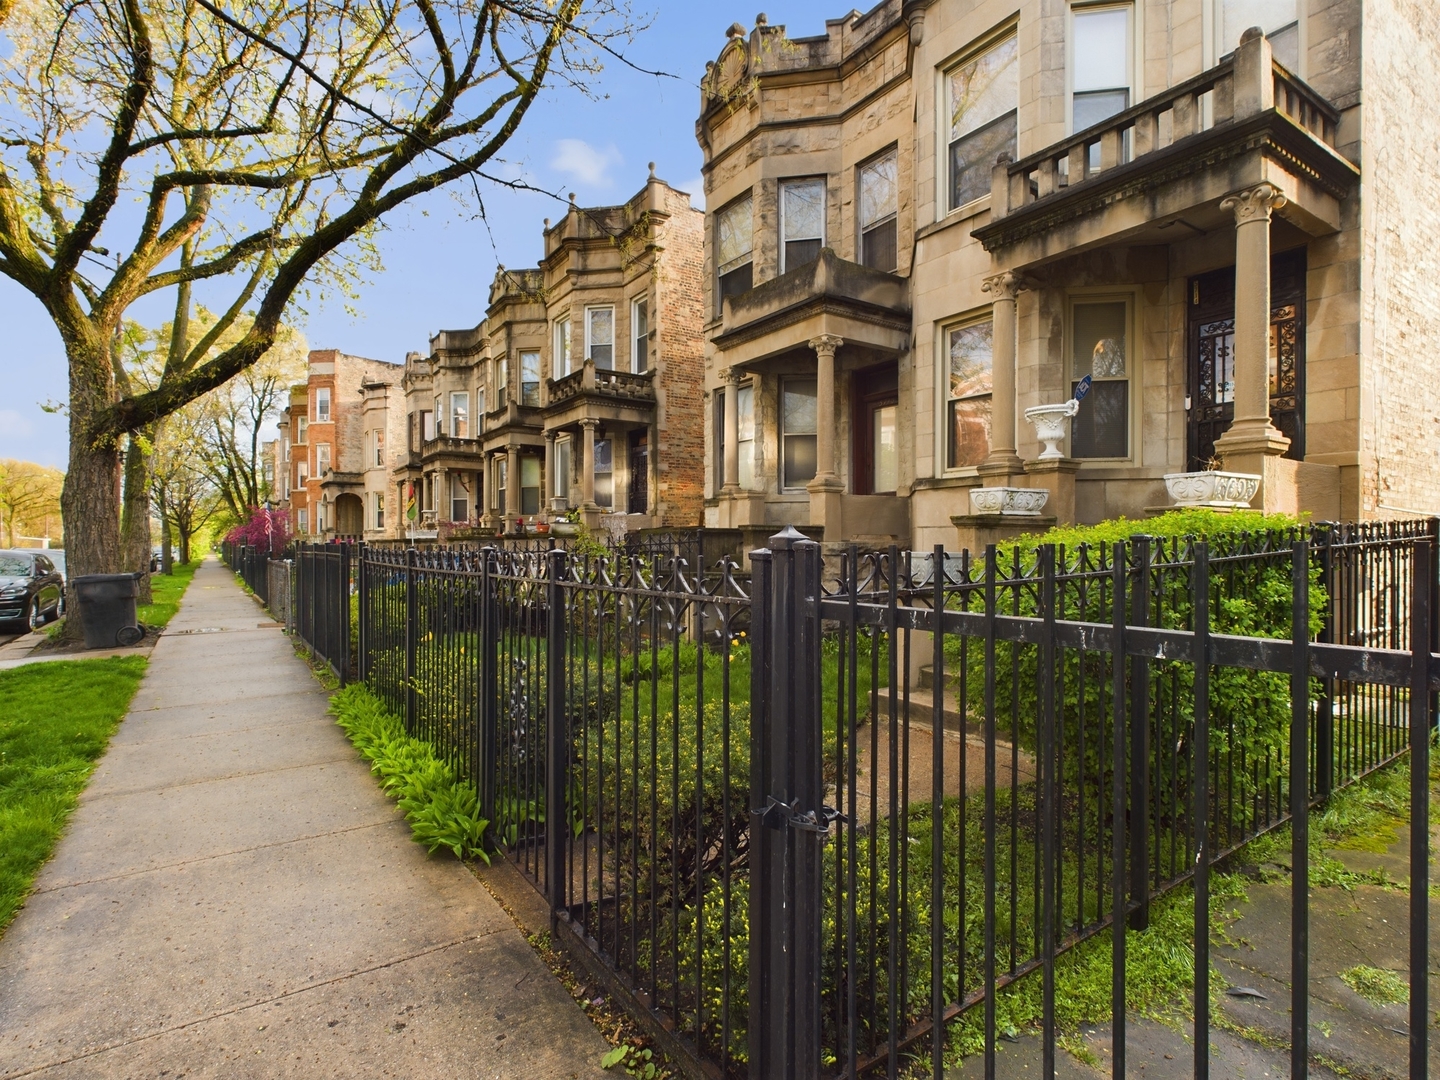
{"x":732,"y":431}
{"x":512,"y":481}
{"x":1253,"y":209}
{"x":826,"y":478}
{"x":587,"y":468}
{"x":1252,"y":444}
{"x":1002,"y":464}
{"x":442,"y":495}
{"x":550,"y":494}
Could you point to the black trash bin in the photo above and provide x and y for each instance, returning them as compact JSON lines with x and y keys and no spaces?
{"x":107,"y":610}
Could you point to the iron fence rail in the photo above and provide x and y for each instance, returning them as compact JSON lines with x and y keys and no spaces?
{"x":808,"y":820}
{"x":321,"y":606}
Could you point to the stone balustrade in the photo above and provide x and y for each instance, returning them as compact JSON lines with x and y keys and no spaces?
{"x":602,"y":382}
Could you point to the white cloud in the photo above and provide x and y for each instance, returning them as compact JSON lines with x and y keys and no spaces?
{"x":696,"y":189}
{"x":584,"y":163}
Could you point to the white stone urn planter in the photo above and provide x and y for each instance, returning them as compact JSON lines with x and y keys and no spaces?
{"x":1222,"y":490}
{"x":1009,"y":501}
{"x":1051,"y":424}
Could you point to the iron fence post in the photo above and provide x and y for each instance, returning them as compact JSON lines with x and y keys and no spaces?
{"x":762,"y":932}
{"x":411,"y":634}
{"x":1200,"y":805}
{"x":1300,"y":810}
{"x":1422,"y":627}
{"x":1325,"y":710}
{"x":342,"y":610}
{"x":1140,"y":745}
{"x":362,"y":643}
{"x":489,"y":707}
{"x":557,"y":738}
{"x":1118,"y":884}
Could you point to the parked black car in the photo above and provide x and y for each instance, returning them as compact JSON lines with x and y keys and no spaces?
{"x":32,"y":590}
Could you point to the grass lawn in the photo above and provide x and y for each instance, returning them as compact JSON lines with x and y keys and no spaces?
{"x":165,"y":593}
{"x":55,"y":721}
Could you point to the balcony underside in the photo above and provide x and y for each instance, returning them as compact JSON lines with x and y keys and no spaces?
{"x":866,"y":308}
{"x":1174,"y":193}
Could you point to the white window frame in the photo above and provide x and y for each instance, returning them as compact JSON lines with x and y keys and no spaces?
{"x":377,"y":506}
{"x":1133,"y":367}
{"x":560,"y":343}
{"x":379,"y":458}
{"x":302,"y":473}
{"x":747,"y":199}
{"x":639,"y":344}
{"x":303,"y":520}
{"x":440,"y":415}
{"x":479,"y":410}
{"x":787,"y":181}
{"x":561,"y":469}
{"x":533,"y":354}
{"x":1213,"y":31}
{"x":302,"y":430}
{"x":322,"y":405}
{"x":589,"y":344}
{"x":782,"y":434}
{"x":861,"y":229}
{"x":323,"y":459}
{"x":745,"y":448}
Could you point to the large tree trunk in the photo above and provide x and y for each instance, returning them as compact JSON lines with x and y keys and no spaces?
{"x":90,"y":498}
{"x":135,"y":517}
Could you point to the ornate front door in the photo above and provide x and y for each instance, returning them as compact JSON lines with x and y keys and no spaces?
{"x":1210,"y":386}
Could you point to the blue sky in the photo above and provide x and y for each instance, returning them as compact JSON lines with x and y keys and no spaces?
{"x":438,"y":259}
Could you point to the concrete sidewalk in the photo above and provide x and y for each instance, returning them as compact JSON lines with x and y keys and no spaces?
{"x":235,"y":897}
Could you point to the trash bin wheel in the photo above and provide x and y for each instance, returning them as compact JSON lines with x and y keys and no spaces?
{"x":130,"y":635}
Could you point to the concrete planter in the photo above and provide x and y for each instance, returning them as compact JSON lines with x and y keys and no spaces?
{"x":1052,"y":422}
{"x":1222,"y":490}
{"x":565,"y":530}
{"x":1011,"y":502}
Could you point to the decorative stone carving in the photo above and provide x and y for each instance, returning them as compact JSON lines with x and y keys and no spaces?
{"x":826,"y":344}
{"x":1004,"y":286}
{"x":1256,"y":204}
{"x":1051,"y":423}
{"x":1223,"y":490}
{"x":1009,"y":501}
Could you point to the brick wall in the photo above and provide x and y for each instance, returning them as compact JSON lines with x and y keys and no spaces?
{"x":680,"y":421}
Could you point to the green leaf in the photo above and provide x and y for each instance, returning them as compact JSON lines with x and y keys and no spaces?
{"x":614,"y":1057}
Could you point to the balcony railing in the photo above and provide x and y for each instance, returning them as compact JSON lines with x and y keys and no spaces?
{"x":447,"y":444}
{"x":1246,"y":84}
{"x":601,"y":382}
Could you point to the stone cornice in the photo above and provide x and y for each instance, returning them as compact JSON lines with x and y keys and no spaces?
{"x":1271,"y":132}
{"x":858,"y":310}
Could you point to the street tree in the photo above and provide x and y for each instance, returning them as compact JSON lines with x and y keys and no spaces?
{"x":29,"y":499}
{"x":153,"y":145}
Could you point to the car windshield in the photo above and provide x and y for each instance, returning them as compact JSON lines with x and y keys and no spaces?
{"x":14,"y":566}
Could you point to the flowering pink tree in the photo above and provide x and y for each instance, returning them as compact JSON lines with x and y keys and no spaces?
{"x":268,"y":530}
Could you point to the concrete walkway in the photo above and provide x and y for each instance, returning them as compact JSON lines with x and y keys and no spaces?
{"x":235,"y":898}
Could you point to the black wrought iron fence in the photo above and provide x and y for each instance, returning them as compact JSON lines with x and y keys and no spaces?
{"x":321,"y":612}
{"x":808,"y":820}
{"x":251,"y":564}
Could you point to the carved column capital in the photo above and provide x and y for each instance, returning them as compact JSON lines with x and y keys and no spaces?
{"x":826,"y":344}
{"x":550,"y":435}
{"x":1005,"y":286}
{"x":590,"y":423}
{"x":1254,"y":204}
{"x":729,"y":377}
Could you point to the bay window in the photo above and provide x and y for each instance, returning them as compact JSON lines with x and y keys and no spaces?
{"x":562,"y":348}
{"x":600,"y":336}
{"x":802,"y":221}
{"x":879,"y":185}
{"x":640,"y":336}
{"x":460,"y":415}
{"x":322,"y":404}
{"x":530,"y":379}
{"x":734,"y":249}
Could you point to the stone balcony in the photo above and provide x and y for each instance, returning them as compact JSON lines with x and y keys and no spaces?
{"x":1134,"y":177}
{"x":600,"y":394}
{"x":829,"y":296}
{"x":447,"y":449}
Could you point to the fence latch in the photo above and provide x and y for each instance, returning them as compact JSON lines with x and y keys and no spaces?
{"x":778,"y":814}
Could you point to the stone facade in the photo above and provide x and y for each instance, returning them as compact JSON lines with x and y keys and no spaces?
{"x":335,"y":447}
{"x":535,"y":420}
{"x":1140,"y":193}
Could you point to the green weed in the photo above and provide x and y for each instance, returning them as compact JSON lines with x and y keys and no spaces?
{"x":1376,"y":984}
{"x":443,"y":810}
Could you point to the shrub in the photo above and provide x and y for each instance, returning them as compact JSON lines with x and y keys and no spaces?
{"x":266,"y":529}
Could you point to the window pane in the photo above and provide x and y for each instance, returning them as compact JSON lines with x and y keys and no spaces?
{"x":746,"y":441}
{"x":1239,"y":15}
{"x":529,"y":485}
{"x":1102,"y":44}
{"x":1285,"y":46}
{"x":735,"y":227}
{"x":800,"y":252}
{"x":984,"y":89}
{"x":602,"y":326}
{"x":802,"y":209}
{"x":879,"y":247}
{"x":1101,"y":429}
{"x":972,"y":350}
{"x":969,"y":431}
{"x":799,"y":460}
{"x":877,"y":189}
{"x":1095,"y":106}
{"x":562,"y":469}
{"x":459,"y":416}
{"x":887,"y":451}
{"x":797,"y":409}
{"x":604,"y":473}
{"x":737,"y":281}
{"x":973,"y":157}
{"x":640,"y":335}
{"x":530,"y":379}
{"x":1099,"y":340}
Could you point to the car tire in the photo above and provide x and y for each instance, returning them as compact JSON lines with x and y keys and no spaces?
{"x":37,"y":616}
